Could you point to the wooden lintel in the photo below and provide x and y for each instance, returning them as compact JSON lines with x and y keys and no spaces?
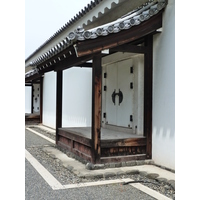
{"x":71,"y":61}
{"x":89,"y":65}
{"x":96,"y":108}
{"x":130,"y":49}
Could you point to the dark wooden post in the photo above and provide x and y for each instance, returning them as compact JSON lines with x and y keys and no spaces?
{"x":41,"y":98}
{"x":32,"y":91}
{"x":58,"y":102}
{"x":96,"y":108}
{"x":148,"y":81}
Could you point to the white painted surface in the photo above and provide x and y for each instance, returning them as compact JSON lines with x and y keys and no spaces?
{"x":149,"y":191}
{"x":138,"y":97}
{"x":119,"y":79}
{"x":28,"y":95}
{"x":163,"y":139}
{"x":49,"y":100}
{"x":133,"y":99}
{"x":77,"y":97}
{"x":97,"y":183}
{"x":49,"y":178}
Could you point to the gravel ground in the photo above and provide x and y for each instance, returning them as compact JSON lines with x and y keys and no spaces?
{"x":64,"y":176}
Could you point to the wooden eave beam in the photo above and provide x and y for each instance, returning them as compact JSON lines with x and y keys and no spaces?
{"x":130,"y":49}
{"x":67,"y":52}
{"x":73,"y":60}
{"x":89,"y":65}
{"x":47,"y":69}
{"x":125,"y":36}
{"x":32,"y":78}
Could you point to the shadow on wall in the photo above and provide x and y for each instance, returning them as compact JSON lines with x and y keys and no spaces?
{"x":164,"y":132}
{"x":163,"y":147}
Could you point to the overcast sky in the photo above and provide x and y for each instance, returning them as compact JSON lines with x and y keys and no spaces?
{"x":44,"y":17}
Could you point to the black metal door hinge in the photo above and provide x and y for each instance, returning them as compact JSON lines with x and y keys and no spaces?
{"x":131,"y":118}
{"x":131,"y":85}
{"x":131,"y":70}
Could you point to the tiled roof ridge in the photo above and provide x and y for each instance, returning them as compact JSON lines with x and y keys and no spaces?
{"x":133,"y":18}
{"x":68,"y":24}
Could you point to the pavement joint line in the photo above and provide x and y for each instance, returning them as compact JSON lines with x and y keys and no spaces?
{"x":46,"y":175}
{"x":97,"y":183}
{"x":44,"y":137}
{"x":149,"y":191}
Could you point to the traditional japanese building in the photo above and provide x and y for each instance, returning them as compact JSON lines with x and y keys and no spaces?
{"x":106,"y":82}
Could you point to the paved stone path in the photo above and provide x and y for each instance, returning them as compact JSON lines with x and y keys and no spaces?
{"x":34,"y":181}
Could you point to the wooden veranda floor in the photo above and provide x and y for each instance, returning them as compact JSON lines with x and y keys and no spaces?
{"x":106,"y":134}
{"x":115,"y":146}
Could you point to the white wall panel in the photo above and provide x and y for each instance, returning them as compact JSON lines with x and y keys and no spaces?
{"x":77,"y":97}
{"x":49,"y":99}
{"x":163,"y":140}
{"x":28,"y":94}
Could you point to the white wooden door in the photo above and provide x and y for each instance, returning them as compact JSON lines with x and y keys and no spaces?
{"x":119,"y":94}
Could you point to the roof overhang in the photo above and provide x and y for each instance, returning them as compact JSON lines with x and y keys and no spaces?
{"x":80,"y":46}
{"x":32,"y":76}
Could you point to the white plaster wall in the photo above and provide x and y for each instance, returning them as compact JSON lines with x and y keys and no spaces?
{"x":138,"y":96}
{"x":49,"y":99}
{"x":163,"y":139}
{"x":28,"y":94}
{"x":77,"y":97}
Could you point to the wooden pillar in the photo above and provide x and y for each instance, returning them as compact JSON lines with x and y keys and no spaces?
{"x":96,"y":108}
{"x":41,"y":98}
{"x":58,"y":102}
{"x":148,"y":81}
